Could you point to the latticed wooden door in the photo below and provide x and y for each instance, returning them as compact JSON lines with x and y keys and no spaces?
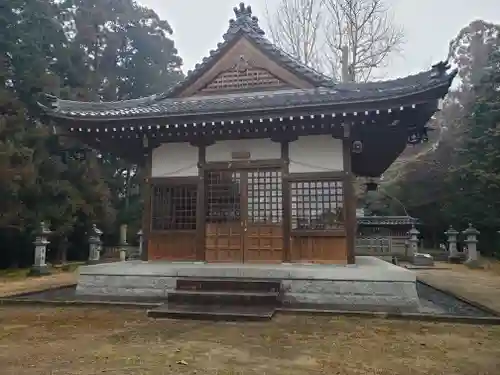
{"x":224,"y":227}
{"x":244,"y":216}
{"x":263,"y":226}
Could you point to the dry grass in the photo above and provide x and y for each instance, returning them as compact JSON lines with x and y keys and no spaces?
{"x":12,"y":274}
{"x":13,"y":285}
{"x":479,"y":285}
{"x":115,"y":341}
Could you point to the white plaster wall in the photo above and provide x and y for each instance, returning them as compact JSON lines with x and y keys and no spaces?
{"x":259,"y":149}
{"x":175,"y":160}
{"x":316,"y":153}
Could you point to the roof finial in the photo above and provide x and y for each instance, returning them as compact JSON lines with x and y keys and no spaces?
{"x":243,"y":11}
{"x":244,"y":21}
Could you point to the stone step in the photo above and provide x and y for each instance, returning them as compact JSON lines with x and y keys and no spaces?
{"x":201,"y":297}
{"x":212,"y":312}
{"x":226,"y":285}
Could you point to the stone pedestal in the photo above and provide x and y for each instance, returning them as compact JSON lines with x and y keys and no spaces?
{"x":123,"y":234}
{"x":471,"y":241}
{"x":40,"y":267}
{"x":124,"y":246}
{"x":95,"y":245}
{"x":453,"y":255}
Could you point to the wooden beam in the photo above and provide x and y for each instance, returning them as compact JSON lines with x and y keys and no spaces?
{"x":349,"y":195}
{"x":316,"y":176}
{"x":201,"y":205}
{"x":286,"y":204}
{"x":147,"y":210}
{"x":243,"y":164}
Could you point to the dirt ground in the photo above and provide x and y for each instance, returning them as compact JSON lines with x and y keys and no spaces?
{"x":39,"y":341}
{"x":478,"y":285}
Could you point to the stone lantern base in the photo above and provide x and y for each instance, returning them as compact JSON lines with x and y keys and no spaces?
{"x":39,"y":271}
{"x":474,"y":264}
{"x":422,"y":260}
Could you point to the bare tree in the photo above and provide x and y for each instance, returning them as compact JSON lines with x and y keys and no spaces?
{"x":320,"y":29}
{"x":295,"y":26}
{"x":369,"y":31}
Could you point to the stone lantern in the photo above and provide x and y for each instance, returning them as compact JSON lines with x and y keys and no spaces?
{"x":413,"y":240}
{"x":95,"y":245}
{"x":471,"y":241}
{"x":453,"y":256}
{"x":416,"y":258}
{"x":40,"y":267}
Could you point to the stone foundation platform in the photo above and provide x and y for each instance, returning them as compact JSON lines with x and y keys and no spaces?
{"x":369,"y":285}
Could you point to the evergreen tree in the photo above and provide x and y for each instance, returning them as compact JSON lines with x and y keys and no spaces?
{"x":478,"y":172}
{"x":83,"y":50}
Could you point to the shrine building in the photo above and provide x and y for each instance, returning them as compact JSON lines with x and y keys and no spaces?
{"x":252,"y":157}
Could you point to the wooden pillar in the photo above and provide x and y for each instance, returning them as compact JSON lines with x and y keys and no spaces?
{"x":349,"y":195}
{"x":286,"y":203}
{"x":147,"y":210}
{"x":201,"y":205}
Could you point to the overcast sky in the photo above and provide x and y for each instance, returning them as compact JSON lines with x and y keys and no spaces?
{"x":429,"y":26}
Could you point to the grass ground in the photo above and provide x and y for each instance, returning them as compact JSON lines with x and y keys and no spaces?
{"x":115,"y":341}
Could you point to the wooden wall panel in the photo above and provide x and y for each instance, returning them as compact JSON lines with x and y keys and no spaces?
{"x":173,"y":246}
{"x":224,"y":242}
{"x":322,"y":250}
{"x":264,"y":243}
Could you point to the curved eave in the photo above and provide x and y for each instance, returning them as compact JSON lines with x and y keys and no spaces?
{"x":258,"y":104}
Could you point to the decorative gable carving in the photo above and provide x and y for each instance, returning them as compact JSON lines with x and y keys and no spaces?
{"x":243,"y":76}
{"x":243,"y":67}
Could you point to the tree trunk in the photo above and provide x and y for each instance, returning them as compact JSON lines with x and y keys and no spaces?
{"x":62,"y":251}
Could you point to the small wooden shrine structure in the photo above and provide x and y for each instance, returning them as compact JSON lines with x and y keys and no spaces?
{"x":383,"y":235}
{"x":251,"y":158}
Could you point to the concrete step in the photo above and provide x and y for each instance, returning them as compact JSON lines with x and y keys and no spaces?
{"x":227,"y":285}
{"x":212,"y":312}
{"x":204,"y":297}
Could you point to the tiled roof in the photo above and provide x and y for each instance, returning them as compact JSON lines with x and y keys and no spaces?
{"x":326,"y":92}
{"x":341,"y":96}
{"x":245,"y":24}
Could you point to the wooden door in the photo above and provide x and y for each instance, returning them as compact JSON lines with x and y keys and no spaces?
{"x":224,"y":222}
{"x":244,"y":216}
{"x":263,"y":216}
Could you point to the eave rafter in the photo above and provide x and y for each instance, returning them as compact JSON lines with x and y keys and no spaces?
{"x":371,"y":128}
{"x":408,"y":117}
